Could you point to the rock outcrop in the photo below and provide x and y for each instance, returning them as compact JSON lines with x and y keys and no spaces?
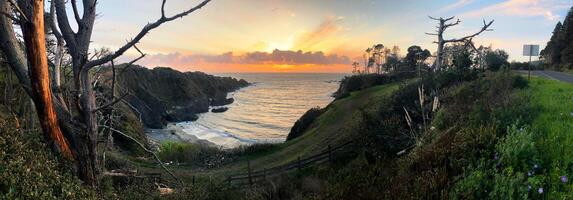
{"x":163,"y":95}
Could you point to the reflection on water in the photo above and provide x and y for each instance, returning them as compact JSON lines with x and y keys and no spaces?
{"x":265,"y":111}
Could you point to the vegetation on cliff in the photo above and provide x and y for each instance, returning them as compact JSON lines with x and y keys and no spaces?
{"x":162,"y":95}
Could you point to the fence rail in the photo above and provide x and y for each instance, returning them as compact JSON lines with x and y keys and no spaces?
{"x":251,"y":177}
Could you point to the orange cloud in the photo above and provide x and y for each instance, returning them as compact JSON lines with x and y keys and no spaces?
{"x":321,"y":36}
{"x":277,"y":61}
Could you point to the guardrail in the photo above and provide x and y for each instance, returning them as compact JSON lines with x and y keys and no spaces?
{"x":251,"y":177}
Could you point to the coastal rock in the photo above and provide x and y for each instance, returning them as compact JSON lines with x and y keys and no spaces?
{"x":163,"y":95}
{"x":219,"y":110}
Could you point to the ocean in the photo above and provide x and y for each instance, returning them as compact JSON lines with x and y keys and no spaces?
{"x":263,"y":112}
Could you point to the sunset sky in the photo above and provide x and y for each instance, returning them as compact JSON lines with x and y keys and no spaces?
{"x":312,"y":35}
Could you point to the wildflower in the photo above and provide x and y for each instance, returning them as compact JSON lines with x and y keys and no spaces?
{"x":495,"y":157}
{"x":535,"y":166}
{"x":540,"y":190}
{"x":564,"y":179}
{"x":529,"y":188}
{"x":529,"y":173}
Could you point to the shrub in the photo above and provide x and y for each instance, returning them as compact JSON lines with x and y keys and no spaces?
{"x":496,"y":59}
{"x":302,"y":124}
{"x":510,"y":174}
{"x":29,"y":171}
{"x":359,"y":82}
{"x":198,"y":155}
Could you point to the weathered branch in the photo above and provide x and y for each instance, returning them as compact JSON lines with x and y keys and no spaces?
{"x":22,"y":14}
{"x":64,"y":25}
{"x":133,"y":61}
{"x":142,"y":34}
{"x":483,"y":29}
{"x":10,"y":16}
{"x":76,"y":12}
{"x":147,"y":150}
{"x":452,"y":24}
{"x":52,"y":22}
{"x":11,"y":48}
{"x":111,"y":103}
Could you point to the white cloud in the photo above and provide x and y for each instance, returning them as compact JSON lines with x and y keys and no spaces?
{"x":457,"y":4}
{"x":527,"y":8}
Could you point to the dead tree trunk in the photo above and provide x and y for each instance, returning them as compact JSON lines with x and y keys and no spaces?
{"x":74,"y":135}
{"x":35,"y":40}
{"x":443,"y":25}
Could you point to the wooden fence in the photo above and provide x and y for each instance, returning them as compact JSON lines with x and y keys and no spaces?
{"x":251,"y":177}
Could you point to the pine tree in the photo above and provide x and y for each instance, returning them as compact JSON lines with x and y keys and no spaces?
{"x":552,"y":52}
{"x":566,"y":39}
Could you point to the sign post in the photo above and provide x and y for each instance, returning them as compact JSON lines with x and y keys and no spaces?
{"x":530,"y":50}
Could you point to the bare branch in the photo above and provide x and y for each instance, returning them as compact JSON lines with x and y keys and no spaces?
{"x":431,"y":34}
{"x":163,"y":8}
{"x":22,"y":14}
{"x":11,"y":48}
{"x":76,"y":12}
{"x":452,"y":24}
{"x":133,"y":61}
{"x":10,"y":16}
{"x":64,"y":25}
{"x":142,"y":34}
{"x":111,"y":103}
{"x":483,"y":29}
{"x":138,"y":58}
{"x":52,"y":22}
{"x":437,"y":19}
{"x":145,"y":149}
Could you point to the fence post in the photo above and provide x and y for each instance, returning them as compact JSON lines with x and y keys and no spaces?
{"x":249,"y":171}
{"x":329,"y":154}
{"x":299,"y":164}
{"x":265,"y":173}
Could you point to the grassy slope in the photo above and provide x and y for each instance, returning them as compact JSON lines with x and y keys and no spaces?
{"x":554,"y":123}
{"x":334,"y":127}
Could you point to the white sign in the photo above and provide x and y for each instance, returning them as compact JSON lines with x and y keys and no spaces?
{"x":531,"y":50}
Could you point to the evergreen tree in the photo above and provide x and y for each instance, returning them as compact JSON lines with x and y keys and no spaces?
{"x":552,"y":52}
{"x":566,"y":39}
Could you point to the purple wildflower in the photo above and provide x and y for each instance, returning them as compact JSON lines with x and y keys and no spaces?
{"x":529,"y":173}
{"x":535,"y":166}
{"x":540,"y":190}
{"x":564,"y":179}
{"x":529,"y":188}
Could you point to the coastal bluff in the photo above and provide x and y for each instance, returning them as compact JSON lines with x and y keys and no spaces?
{"x":162,"y":95}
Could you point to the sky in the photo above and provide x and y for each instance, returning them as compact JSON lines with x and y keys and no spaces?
{"x":322,"y":36}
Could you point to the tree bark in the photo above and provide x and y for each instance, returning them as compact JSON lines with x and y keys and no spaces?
{"x":35,"y":40}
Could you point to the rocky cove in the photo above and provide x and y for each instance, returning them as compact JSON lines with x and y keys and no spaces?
{"x":153,"y":98}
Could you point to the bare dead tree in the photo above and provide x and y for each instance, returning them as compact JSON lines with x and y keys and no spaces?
{"x":79,"y":130}
{"x":60,"y":43}
{"x":443,"y":25}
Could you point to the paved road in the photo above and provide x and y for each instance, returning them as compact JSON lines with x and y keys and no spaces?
{"x":553,"y":75}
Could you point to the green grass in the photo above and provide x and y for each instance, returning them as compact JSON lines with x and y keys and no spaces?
{"x":331,"y":128}
{"x":553,"y":125}
{"x":334,"y":127}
